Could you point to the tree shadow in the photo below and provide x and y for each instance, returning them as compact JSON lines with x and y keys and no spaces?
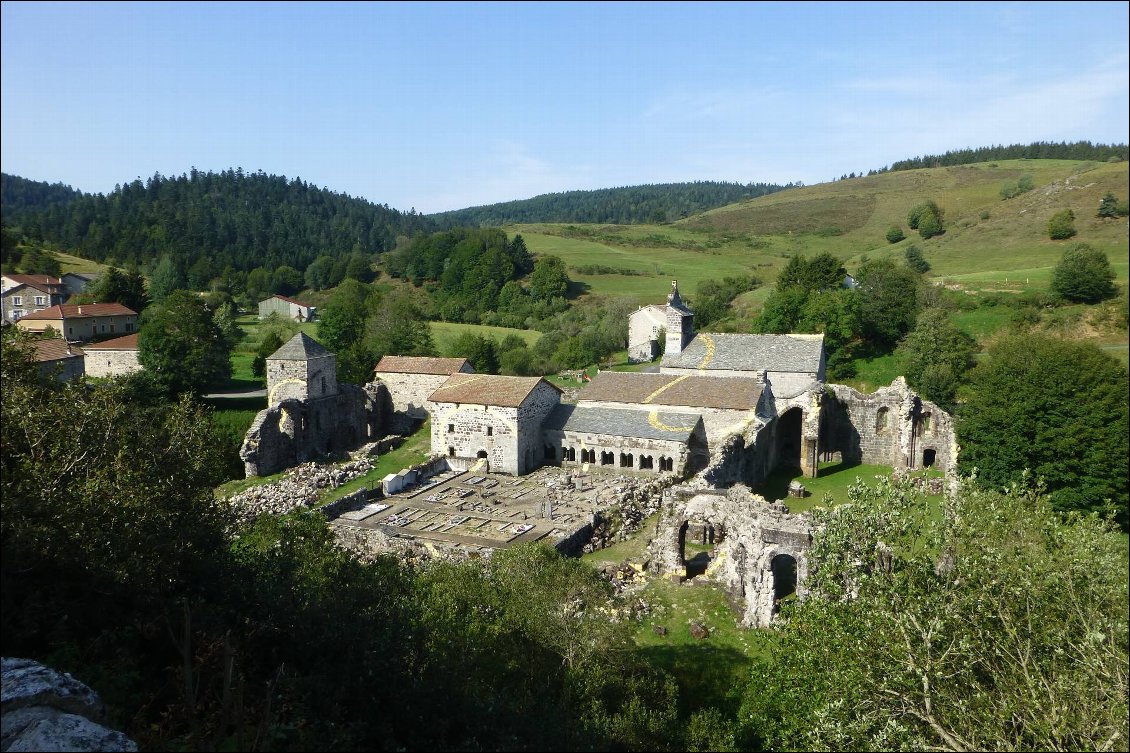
{"x":706,"y":675}
{"x":576,"y":289}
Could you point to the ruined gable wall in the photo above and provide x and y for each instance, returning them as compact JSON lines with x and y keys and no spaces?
{"x":530,"y":416}
{"x":295,"y":431}
{"x":892,"y":426}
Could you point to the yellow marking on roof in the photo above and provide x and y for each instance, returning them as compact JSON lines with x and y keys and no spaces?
{"x":708,"y":341}
{"x":664,"y":388}
{"x":653,"y":419}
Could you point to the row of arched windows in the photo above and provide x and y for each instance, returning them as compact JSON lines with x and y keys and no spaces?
{"x":608,"y":458}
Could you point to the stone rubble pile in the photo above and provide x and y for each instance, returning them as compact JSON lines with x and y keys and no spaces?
{"x":301,"y":487}
{"x":625,"y":506}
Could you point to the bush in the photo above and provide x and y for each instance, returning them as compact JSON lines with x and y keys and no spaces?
{"x":1062,"y":225}
{"x":1083,"y":275}
{"x":916,"y":261}
{"x":894,"y":234}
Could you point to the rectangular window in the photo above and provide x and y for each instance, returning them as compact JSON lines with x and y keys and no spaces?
{"x":111,"y":328}
{"x":450,"y":428}
{"x":40,"y":301}
{"x":490,"y":431}
{"x":129,"y":326}
{"x":17,"y":300}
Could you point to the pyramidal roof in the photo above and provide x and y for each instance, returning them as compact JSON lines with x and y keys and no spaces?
{"x":301,"y":347}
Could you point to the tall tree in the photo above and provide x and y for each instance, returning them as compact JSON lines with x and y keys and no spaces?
{"x":167,"y":277}
{"x":935,"y":357}
{"x":181,"y":346}
{"x":888,"y":300}
{"x":1056,"y":408}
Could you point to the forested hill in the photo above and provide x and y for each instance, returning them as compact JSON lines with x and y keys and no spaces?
{"x":231,"y":218}
{"x":1077,"y":150}
{"x":652,"y":203}
{"x":21,"y":195}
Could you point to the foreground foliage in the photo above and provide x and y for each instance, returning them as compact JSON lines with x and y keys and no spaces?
{"x":1003,"y":628}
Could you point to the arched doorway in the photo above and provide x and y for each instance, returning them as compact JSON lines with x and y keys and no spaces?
{"x":784,"y":579}
{"x":929,"y":457}
{"x":481,"y":454}
{"x":788,"y":440}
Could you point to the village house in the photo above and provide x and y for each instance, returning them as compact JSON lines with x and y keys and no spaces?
{"x":115,"y":357}
{"x":56,"y":357}
{"x":82,"y":322}
{"x":22,"y":295}
{"x":287,"y":308}
{"x":496,"y":418}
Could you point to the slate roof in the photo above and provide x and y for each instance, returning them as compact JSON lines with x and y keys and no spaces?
{"x":419,"y":365}
{"x":672,"y":427}
{"x":486,"y":389}
{"x":788,"y":353}
{"x":54,"y":349}
{"x":301,"y":347}
{"x":81,"y":311}
{"x":693,"y":391}
{"x":129,"y":342}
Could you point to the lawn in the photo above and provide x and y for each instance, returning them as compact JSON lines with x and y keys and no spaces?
{"x":444,"y":333}
{"x":414,"y":451}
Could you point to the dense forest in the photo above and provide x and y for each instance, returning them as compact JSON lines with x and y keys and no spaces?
{"x":227,"y":219}
{"x":1079,"y":150}
{"x":652,"y":203}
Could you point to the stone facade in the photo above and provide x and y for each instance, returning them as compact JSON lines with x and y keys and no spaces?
{"x":410,"y":380}
{"x":680,"y":322}
{"x":493,"y":417}
{"x":761,"y":551}
{"x":892,"y":426}
{"x":59,"y":359}
{"x":308,"y":412}
{"x":113,"y":357}
{"x":644,"y":327}
{"x":82,"y":323}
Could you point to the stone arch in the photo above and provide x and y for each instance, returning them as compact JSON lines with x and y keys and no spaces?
{"x":481,"y":454}
{"x":783,"y":566}
{"x":929,"y":457}
{"x":882,"y":420}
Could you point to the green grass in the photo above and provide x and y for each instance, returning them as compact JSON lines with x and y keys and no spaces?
{"x":832,"y":479}
{"x":712,"y":671}
{"x":873,"y":373}
{"x":444,"y":333}
{"x":415,"y":450}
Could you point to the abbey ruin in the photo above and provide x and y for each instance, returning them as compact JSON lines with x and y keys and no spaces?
{"x":722,"y":413}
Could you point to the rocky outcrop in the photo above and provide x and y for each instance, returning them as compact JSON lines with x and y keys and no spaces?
{"x":48,"y":710}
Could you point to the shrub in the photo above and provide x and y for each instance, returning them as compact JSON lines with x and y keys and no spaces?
{"x":894,"y":234}
{"x":1062,"y":225}
{"x":1083,"y":275}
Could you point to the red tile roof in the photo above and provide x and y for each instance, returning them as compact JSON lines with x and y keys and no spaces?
{"x":487,"y":389}
{"x":419,"y":365}
{"x":35,"y":280}
{"x":291,"y":300}
{"x":72,"y":311}
{"x":54,"y":349}
{"x":129,"y":342}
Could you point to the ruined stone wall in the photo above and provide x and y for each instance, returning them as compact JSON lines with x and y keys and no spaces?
{"x":750,"y":534}
{"x":108,"y":363}
{"x":531,"y":414}
{"x":301,"y":379}
{"x":892,"y":426}
{"x":291,"y":431}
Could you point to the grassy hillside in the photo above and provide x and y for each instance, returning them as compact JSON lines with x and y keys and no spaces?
{"x":989,"y":243}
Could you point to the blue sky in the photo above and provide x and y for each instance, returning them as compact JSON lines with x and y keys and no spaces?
{"x":441,"y":106}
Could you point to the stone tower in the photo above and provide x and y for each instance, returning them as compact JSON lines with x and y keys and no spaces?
{"x":300,"y":370}
{"x":680,"y":322}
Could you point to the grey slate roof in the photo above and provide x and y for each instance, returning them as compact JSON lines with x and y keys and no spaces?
{"x":672,"y":427}
{"x":789,"y":353}
{"x":301,"y":347}
{"x":692,"y":391}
